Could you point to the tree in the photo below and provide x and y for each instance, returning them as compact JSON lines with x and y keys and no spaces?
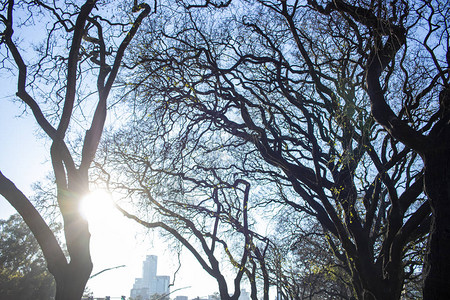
{"x":52,"y":85}
{"x":23,"y":273}
{"x":301,"y":262}
{"x":273,"y":93}
{"x":410,"y":36}
{"x":208,"y":232}
{"x":159,"y":297}
{"x":427,"y":133}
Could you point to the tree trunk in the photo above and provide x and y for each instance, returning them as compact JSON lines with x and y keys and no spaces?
{"x":437,"y":188}
{"x":71,"y":286}
{"x":371,"y":281}
{"x":71,"y":282}
{"x":382,"y":289}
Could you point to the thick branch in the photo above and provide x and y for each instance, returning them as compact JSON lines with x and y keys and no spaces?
{"x":72,"y":67}
{"x":172,"y":231}
{"x":93,"y":135}
{"x":50,"y":247}
{"x":22,"y":76}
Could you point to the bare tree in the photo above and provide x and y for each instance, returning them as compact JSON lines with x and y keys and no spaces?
{"x":300,"y":261}
{"x":74,"y":54}
{"x":274,"y":93}
{"x":210,"y":230}
{"x":411,"y":36}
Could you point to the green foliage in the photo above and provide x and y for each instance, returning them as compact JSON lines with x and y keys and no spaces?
{"x":23,"y":271}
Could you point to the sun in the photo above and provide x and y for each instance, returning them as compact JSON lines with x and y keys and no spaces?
{"x":104,"y":219}
{"x":97,"y":206}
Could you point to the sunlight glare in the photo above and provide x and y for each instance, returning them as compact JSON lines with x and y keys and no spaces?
{"x":97,"y":206}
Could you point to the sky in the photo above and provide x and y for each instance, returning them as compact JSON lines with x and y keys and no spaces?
{"x":116,"y":241}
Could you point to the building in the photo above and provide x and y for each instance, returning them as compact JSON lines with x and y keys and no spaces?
{"x":244,"y":295}
{"x":150,"y":283}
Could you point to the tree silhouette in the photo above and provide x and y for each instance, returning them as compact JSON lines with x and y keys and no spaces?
{"x":392,"y":32}
{"x":275,"y":93}
{"x":52,"y":86}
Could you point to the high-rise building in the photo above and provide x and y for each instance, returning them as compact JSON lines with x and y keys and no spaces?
{"x":244,"y":295}
{"x":149,"y":267}
{"x":150,"y":284}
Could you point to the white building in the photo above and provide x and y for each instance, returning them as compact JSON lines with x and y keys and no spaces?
{"x":244,"y":295}
{"x":150,"y":284}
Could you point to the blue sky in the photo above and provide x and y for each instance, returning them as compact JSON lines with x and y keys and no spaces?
{"x":23,"y":157}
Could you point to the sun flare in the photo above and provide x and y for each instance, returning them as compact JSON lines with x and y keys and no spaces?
{"x":97,"y":205}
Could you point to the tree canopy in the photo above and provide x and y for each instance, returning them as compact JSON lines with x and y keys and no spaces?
{"x":23,"y":273}
{"x":248,"y":110}
{"x":259,"y":132}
